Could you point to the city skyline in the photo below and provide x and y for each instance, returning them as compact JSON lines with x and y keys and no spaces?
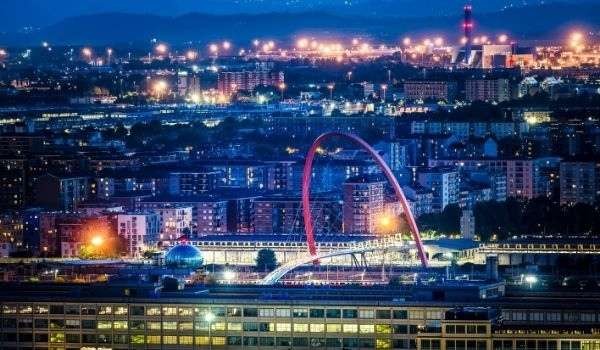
{"x":342,"y":175}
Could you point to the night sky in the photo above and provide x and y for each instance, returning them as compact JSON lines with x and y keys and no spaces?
{"x":15,"y":14}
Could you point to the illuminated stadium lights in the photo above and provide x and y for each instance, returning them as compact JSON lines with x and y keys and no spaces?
{"x":302,"y":43}
{"x":161,"y":49}
{"x":191,"y":55}
{"x":87,"y":52}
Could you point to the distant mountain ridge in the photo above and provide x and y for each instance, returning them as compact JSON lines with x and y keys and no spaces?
{"x":105,"y":28}
{"x":15,"y":14}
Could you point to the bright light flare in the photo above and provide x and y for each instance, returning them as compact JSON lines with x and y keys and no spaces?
{"x":439,"y":41}
{"x":406,"y":41}
{"x":214,"y":48}
{"x":229,"y":275}
{"x":226,"y":45}
{"x":302,"y":43}
{"x":503,"y":38}
{"x":191,"y":55}
{"x":209,"y":317}
{"x":87,"y":52}
{"x":161,"y":49}
{"x":97,"y":241}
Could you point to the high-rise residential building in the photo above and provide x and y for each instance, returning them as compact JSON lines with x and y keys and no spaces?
{"x":430,"y":90}
{"x":363,"y":204}
{"x":190,"y":183}
{"x":493,"y":90}
{"x":444,"y":183}
{"x":230,"y":82}
{"x":280,"y":176}
{"x":174,"y":221}
{"x":579,"y":182}
{"x":283,"y":214}
{"x":139,"y":231}
{"x":467,"y":224}
{"x":61,"y":192}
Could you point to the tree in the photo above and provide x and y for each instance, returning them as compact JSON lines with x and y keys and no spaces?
{"x":266,"y":260}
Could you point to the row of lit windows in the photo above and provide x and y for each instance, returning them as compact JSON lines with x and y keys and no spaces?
{"x":221,"y":311}
{"x":61,"y":338}
{"x":215,"y":326}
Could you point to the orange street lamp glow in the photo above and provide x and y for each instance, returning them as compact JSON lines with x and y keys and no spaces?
{"x":97,"y":241}
{"x":302,"y":43}
{"x":161,"y":49}
{"x":87,"y":52}
{"x":191,"y":55}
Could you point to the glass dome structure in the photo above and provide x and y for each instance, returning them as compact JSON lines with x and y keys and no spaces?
{"x":184,"y":255}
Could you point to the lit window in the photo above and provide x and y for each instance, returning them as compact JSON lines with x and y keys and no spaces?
{"x":334,"y":328}
{"x":219,"y":341}
{"x":105,"y":310}
{"x":186,"y":340}
{"x":104,"y":325}
{"x":201,"y":340}
{"x":234,"y":326}
{"x":171,"y":326}
{"x":383,"y":344}
{"x":169,"y":311}
{"x":120,"y":325}
{"x":153,"y":339}
{"x":383,"y":329}
{"x":350,"y":328}
{"x":186,"y":326}
{"x":153,"y":311}
{"x":219,"y":326}
{"x":137,"y":339}
{"x":367,"y":328}
{"x":283,"y":327}
{"x":57,"y":337}
{"x":186,"y":311}
{"x":300,"y":327}
{"x":153,"y":325}
{"x":169,"y":339}
{"x":317,"y":327}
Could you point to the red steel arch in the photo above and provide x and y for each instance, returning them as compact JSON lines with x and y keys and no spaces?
{"x":306,"y":179}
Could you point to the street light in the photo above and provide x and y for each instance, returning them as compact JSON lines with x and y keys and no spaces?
{"x":209,"y":317}
{"x":87,"y":53}
{"x":282,"y":87}
{"x":109,"y":53}
{"x":330,"y":87}
{"x":383,"y":90}
{"x":161,"y":49}
{"x":191,"y":55}
{"x":160,"y":87}
{"x":97,"y":241}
